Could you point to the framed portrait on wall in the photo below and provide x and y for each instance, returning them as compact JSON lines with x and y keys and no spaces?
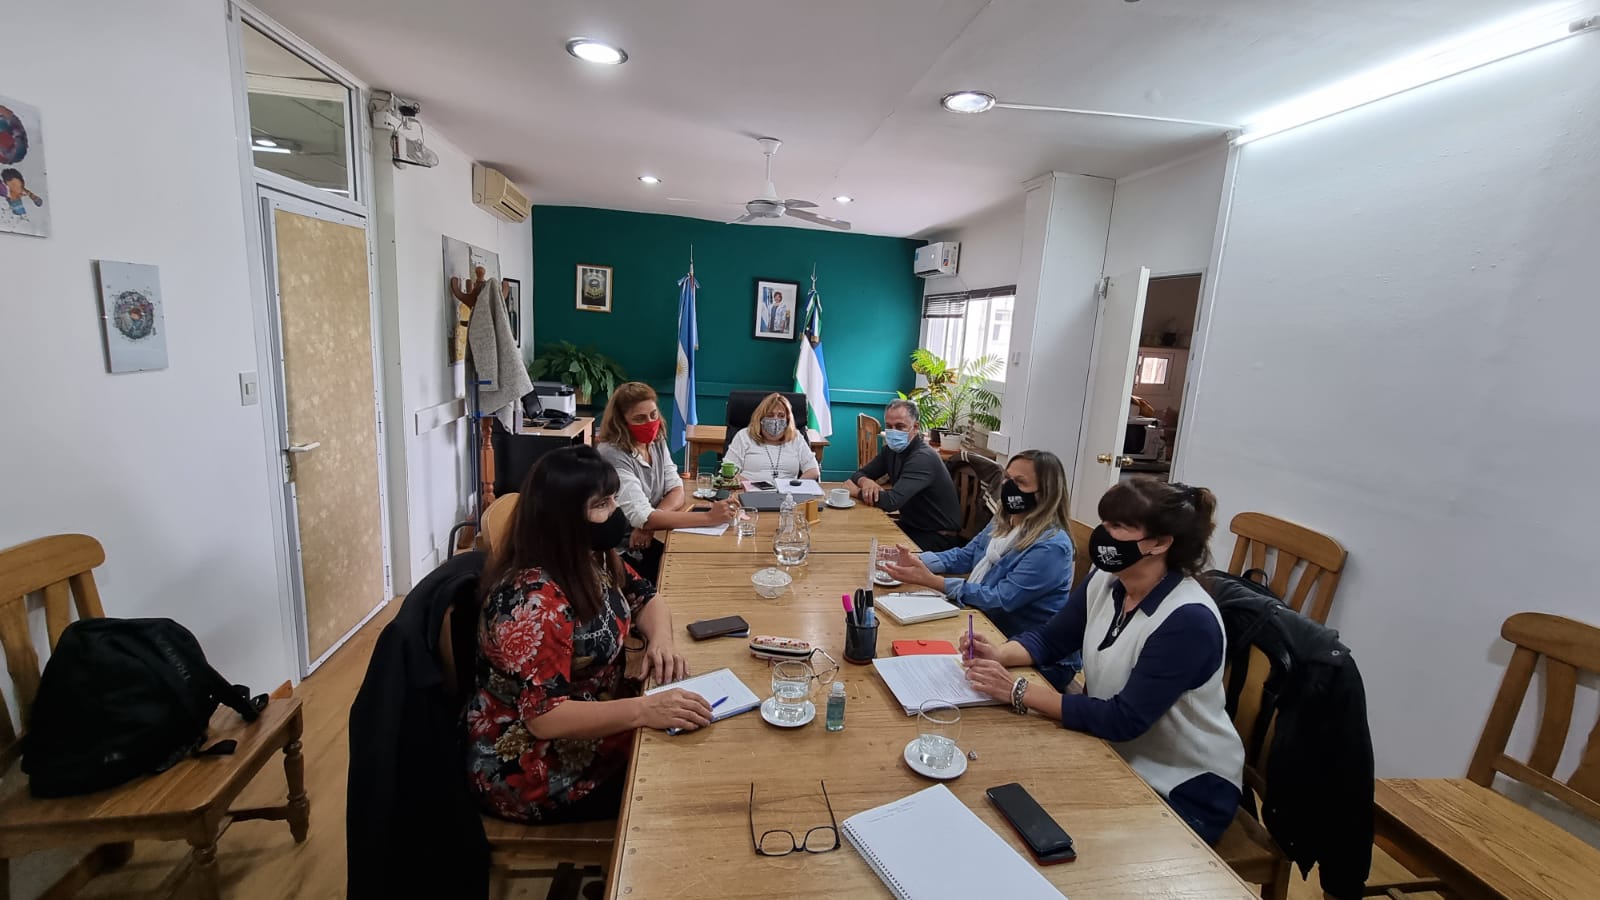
{"x":594,"y":288}
{"x":777,"y":303}
{"x":511,"y":292}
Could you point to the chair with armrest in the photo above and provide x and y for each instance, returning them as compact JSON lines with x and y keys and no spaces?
{"x":189,"y":802}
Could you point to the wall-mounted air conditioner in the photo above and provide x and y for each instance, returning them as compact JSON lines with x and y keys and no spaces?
{"x":493,"y":191}
{"x":942,"y":258}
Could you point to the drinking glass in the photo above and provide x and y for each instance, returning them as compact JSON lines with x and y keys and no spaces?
{"x":703,"y":485}
{"x":938,"y":728}
{"x":791,"y":688}
{"x":745,"y":525}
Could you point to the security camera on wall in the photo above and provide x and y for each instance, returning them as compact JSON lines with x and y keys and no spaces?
{"x":399,"y":116}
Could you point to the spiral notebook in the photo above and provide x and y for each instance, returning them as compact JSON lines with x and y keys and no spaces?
{"x":929,"y":846}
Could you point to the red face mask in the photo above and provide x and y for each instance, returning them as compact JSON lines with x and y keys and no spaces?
{"x":646,"y":433}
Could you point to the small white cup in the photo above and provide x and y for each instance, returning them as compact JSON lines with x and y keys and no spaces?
{"x":839,"y":497}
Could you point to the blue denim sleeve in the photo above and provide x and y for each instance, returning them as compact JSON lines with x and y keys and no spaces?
{"x":1039,"y":570}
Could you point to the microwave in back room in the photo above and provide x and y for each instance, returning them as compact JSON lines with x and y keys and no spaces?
{"x":1143,"y":440}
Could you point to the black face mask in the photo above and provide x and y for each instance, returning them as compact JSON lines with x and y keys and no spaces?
{"x":1015,"y":500}
{"x":610,"y":534}
{"x":1111,"y":555}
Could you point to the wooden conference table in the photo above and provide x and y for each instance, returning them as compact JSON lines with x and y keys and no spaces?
{"x":684,"y":829}
{"x":709,"y":438}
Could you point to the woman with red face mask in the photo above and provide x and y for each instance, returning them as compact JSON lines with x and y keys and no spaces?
{"x":633,"y":439}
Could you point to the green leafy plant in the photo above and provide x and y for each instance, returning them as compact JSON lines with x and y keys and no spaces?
{"x":591,"y":373}
{"x":955,"y":396}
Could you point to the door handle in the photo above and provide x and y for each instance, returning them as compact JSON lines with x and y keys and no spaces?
{"x":1108,"y":459}
{"x":303,"y":448}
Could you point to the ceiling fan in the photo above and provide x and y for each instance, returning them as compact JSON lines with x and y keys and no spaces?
{"x":768,"y":206}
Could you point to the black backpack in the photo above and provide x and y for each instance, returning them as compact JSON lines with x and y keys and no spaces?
{"x":121,"y":698}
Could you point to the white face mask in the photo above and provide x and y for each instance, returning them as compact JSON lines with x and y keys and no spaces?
{"x":774,"y":427}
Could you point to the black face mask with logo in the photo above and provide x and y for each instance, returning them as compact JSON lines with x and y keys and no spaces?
{"x":1111,"y":555}
{"x":609,"y":535}
{"x":1015,"y":500}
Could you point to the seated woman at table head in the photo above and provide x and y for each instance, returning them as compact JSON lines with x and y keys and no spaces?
{"x":1019,"y":568}
{"x":550,"y":720}
{"x":773,"y":448}
{"x":633,"y":442}
{"x":1152,"y":644}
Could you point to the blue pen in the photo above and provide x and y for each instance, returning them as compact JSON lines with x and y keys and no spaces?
{"x":713,"y":706}
{"x":969,"y":637}
{"x":719,"y":703}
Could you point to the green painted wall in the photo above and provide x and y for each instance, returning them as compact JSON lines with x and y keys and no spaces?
{"x":871,"y":306}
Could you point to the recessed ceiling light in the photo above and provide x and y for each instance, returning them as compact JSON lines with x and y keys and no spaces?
{"x":649,"y":179}
{"x":590,"y":50}
{"x":265,"y":142}
{"x":844,"y":199}
{"x":968,"y":101}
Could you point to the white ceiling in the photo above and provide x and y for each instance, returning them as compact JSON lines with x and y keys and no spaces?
{"x":851,"y":87}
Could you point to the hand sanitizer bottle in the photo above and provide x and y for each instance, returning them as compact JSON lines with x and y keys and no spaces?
{"x":835,"y":721}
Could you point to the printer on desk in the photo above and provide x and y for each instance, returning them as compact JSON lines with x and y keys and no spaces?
{"x":555,"y":398}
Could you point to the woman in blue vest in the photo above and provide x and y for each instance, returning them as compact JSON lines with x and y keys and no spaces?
{"x":1152,"y":644}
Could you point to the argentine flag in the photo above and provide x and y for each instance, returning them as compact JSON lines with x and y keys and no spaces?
{"x":810,"y":375}
{"x":683,"y":406}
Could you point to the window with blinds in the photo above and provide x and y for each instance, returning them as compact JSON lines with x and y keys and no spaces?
{"x":964,"y":325}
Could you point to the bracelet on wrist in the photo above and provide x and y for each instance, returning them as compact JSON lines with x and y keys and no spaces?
{"x":1019,"y":693}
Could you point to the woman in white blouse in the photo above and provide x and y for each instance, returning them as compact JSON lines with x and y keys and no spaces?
{"x":772,"y":449}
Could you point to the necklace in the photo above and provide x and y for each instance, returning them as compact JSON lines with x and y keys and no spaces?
{"x":1121,"y":622}
{"x":774,"y":463}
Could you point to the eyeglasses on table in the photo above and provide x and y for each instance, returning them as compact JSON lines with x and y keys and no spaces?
{"x":782,"y":842}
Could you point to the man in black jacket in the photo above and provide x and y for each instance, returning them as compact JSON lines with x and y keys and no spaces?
{"x":412,"y":827}
{"x":919,"y":484}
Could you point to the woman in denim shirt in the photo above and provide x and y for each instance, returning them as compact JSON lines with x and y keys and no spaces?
{"x":1019,"y":568}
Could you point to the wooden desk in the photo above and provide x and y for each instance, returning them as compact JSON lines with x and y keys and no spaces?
{"x":706,"y":438}
{"x":684,"y":831}
{"x":1481,"y":843}
{"x":580,"y":431}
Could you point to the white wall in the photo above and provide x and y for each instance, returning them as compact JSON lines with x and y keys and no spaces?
{"x":164,"y":468}
{"x":431,"y":472}
{"x":1063,"y":251}
{"x":991,"y":249}
{"x":1165,"y":219}
{"x":1402,"y":354}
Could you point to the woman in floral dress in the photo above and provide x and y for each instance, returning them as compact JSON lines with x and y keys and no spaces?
{"x":549,"y":722}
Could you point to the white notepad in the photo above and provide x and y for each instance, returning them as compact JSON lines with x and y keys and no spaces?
{"x":917,"y":679}
{"x":918,"y":606}
{"x":714,"y":686}
{"x":708,"y":530}
{"x":929,"y":846}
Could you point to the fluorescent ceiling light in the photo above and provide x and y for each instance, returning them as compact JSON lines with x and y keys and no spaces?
{"x":649,"y":179}
{"x":264,"y":142}
{"x":263,"y":149}
{"x":590,"y":50}
{"x":843,"y":199}
{"x":968,"y":101}
{"x":1502,"y":40}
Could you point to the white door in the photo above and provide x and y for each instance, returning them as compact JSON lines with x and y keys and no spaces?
{"x":1105,"y":416}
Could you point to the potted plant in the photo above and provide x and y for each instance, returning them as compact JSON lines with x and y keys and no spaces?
{"x":592,"y":374}
{"x":954,"y":397}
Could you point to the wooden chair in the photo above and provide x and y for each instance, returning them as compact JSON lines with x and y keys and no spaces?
{"x":1570,"y":650}
{"x":558,"y":852}
{"x":188,"y":802}
{"x":1303,"y":565}
{"x":496,"y":523}
{"x":977,"y":481}
{"x":867,"y":431}
{"x":1246,"y":846}
{"x":1080,"y":549}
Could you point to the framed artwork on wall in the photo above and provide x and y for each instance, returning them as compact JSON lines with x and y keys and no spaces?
{"x":775,"y":305}
{"x":130,"y":303}
{"x":594,"y":288}
{"x":22,"y":180}
{"x":511,"y":293}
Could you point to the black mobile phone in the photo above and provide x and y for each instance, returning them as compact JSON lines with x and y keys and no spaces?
{"x":710,"y":628}
{"x":1048,"y":842}
{"x":763,"y":485}
{"x":700,"y":509}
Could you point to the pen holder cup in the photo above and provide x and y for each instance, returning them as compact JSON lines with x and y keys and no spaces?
{"x":860,"y":642}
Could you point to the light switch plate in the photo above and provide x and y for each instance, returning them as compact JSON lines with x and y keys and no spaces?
{"x":249,"y":389}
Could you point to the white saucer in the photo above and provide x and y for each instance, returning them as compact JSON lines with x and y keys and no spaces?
{"x":957,"y":767}
{"x":882,"y":580}
{"x":847,"y":504}
{"x":769,"y":712}
{"x":704,"y":495}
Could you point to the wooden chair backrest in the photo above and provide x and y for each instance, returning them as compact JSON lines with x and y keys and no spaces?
{"x":496,"y":522}
{"x":977,"y":480}
{"x":1567,"y":647}
{"x":1247,"y":720}
{"x":867,"y":431}
{"x":1302,"y":567}
{"x":52,"y":567}
{"x":1080,"y":549}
